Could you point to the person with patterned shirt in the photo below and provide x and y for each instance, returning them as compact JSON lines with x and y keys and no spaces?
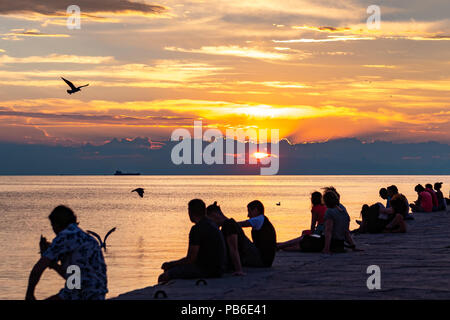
{"x":72,"y":247}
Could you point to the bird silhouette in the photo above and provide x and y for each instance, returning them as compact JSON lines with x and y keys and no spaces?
{"x":279,"y":204}
{"x":140,"y":191}
{"x":73,"y":89}
{"x":102,"y":243}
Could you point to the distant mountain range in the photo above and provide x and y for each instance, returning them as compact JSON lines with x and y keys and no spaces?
{"x":342,"y":156}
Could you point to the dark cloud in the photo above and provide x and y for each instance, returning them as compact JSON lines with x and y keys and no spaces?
{"x":18,"y":34}
{"x":105,"y":119}
{"x":354,"y":157}
{"x":440,"y":37}
{"x":258,"y":18}
{"x":333,"y":29}
{"x":57,"y":7}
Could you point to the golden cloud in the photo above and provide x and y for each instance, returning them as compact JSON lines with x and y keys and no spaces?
{"x":57,"y":58}
{"x":18,"y":34}
{"x":236,"y":51}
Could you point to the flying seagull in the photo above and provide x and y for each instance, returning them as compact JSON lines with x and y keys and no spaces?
{"x":102,"y":243}
{"x":73,"y":89}
{"x":140,"y":191}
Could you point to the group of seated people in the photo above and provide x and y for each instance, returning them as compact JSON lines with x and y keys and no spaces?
{"x":391,"y":217}
{"x":218,"y":244}
{"x":429,"y":200}
{"x":213,"y":251}
{"x":330,"y":224}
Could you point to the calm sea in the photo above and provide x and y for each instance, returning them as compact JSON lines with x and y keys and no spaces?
{"x":155,"y":229}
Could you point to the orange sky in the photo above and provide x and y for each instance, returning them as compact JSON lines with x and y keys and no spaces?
{"x":311,"y":69}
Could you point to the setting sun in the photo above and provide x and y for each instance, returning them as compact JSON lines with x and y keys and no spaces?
{"x":260,"y":155}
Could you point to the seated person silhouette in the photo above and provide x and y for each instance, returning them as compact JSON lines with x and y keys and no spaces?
{"x":206,"y":253}
{"x":241,"y":251}
{"x":263,"y":234}
{"x":73,"y":247}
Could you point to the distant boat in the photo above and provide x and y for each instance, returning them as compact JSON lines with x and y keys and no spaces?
{"x":120,"y":173}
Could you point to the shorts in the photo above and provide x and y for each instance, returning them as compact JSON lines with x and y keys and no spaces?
{"x":315,"y":244}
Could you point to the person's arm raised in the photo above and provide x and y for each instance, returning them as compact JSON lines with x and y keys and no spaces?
{"x":244,"y":224}
{"x":234,"y":254}
{"x":44,"y":245}
{"x":35,"y":276}
{"x":256,"y":222}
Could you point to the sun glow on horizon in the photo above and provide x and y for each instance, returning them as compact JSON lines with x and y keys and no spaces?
{"x":261,"y":155}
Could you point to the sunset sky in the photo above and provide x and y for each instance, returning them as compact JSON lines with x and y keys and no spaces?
{"x":311,"y":69}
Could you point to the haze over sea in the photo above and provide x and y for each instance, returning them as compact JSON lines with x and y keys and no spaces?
{"x":155,"y":229}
